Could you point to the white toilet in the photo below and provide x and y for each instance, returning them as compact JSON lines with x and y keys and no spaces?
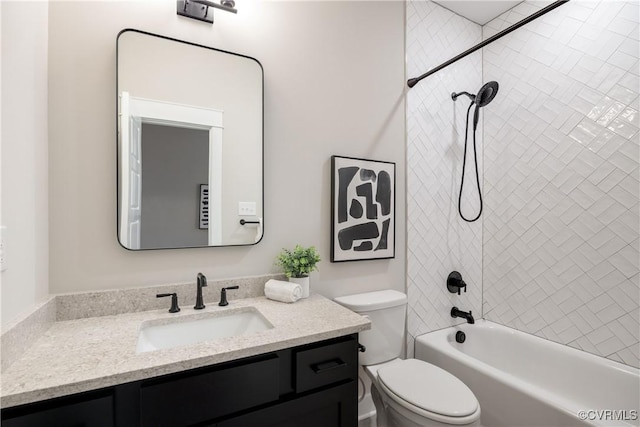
{"x":410,"y":392}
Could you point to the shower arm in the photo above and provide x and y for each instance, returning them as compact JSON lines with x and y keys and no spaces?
{"x":471,"y":96}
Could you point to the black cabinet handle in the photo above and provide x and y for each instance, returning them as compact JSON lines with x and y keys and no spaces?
{"x":322,"y":367}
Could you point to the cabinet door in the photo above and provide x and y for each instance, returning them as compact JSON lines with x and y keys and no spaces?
{"x":209,"y":393}
{"x":334,"y":407}
{"x":89,"y":413}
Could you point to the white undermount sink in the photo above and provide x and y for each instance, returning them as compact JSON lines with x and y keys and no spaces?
{"x":187,"y":330}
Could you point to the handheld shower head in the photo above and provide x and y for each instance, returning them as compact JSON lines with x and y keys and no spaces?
{"x":487,"y":92}
{"x":485,"y":95}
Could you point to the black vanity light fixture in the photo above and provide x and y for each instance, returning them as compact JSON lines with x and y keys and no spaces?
{"x":199,"y":9}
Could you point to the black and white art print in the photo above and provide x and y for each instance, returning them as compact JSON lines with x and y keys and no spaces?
{"x":363,"y":209}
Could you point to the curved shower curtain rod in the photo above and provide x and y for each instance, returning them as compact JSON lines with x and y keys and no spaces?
{"x":412,"y":82}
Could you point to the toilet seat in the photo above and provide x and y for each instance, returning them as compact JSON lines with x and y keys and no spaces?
{"x":428,"y":391}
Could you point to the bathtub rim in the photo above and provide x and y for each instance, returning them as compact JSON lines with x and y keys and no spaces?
{"x":441,"y":340}
{"x":484,"y":323}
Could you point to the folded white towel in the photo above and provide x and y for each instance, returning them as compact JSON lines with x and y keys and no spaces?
{"x":278,"y":290}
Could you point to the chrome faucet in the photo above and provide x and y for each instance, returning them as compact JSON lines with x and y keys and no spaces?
{"x":201,"y":283}
{"x":459,"y":313}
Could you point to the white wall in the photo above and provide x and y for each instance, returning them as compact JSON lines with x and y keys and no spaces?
{"x":334,"y":82}
{"x":561,"y":228}
{"x":2,"y":242}
{"x":439,"y":241}
{"x":24,"y":156}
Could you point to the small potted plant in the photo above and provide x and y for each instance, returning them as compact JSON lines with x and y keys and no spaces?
{"x":297,"y":264}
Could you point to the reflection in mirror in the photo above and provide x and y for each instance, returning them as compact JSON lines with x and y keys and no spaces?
{"x":190,"y":150}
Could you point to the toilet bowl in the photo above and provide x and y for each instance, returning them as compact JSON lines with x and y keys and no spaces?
{"x":413,"y":393}
{"x":409,"y":392}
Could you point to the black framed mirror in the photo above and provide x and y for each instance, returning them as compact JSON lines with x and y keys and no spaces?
{"x":190,"y":144}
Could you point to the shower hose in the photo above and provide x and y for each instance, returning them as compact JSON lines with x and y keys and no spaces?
{"x":464,"y":165}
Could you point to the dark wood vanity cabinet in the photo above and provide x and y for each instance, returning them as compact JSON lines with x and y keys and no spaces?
{"x":311,"y":385}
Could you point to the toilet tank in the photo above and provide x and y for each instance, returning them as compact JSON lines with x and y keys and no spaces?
{"x":386,"y":310}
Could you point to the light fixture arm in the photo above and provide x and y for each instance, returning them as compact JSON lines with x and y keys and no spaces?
{"x":199,"y":9}
{"x":216,"y":5}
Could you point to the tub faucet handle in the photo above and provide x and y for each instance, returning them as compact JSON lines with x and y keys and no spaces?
{"x":455,"y":283}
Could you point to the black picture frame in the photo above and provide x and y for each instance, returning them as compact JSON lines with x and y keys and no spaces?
{"x":363,"y":208}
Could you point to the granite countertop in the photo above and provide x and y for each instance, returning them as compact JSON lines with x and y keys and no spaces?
{"x":87,"y":354}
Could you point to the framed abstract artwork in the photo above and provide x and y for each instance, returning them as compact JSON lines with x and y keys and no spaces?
{"x":363,"y":209}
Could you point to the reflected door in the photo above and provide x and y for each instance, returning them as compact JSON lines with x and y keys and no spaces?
{"x":135,"y":183}
{"x":131,"y":180}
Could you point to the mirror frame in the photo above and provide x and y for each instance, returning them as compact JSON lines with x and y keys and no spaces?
{"x":118,"y":141}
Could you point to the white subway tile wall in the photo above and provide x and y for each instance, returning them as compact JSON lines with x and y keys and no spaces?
{"x":562,"y":189}
{"x":438,"y":241}
{"x":556,"y":251}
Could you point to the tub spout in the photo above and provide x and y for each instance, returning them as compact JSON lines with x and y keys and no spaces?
{"x":455,"y":312}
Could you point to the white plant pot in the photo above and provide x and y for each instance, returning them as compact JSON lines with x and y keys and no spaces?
{"x":304,"y":284}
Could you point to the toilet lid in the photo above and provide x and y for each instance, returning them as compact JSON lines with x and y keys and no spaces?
{"x":429,"y":387}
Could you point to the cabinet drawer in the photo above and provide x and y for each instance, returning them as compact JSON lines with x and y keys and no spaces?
{"x":327,"y":364}
{"x":214,"y":392}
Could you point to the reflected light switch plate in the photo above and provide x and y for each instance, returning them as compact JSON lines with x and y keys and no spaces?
{"x":247,"y":208}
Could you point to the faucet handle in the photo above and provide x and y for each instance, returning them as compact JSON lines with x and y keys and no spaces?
{"x":174,"y":301}
{"x":223,"y":295}
{"x":455,"y":282}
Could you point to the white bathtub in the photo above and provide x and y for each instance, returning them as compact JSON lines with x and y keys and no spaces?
{"x":522,"y":380}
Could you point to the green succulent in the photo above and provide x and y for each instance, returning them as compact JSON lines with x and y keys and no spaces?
{"x":299,"y":262}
